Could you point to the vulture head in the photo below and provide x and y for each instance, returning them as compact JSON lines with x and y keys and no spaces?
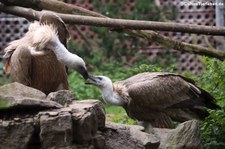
{"x":110,"y":96}
{"x":100,"y":81}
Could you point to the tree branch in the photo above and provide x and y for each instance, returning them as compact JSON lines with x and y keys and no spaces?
{"x":149,"y":35}
{"x":179,"y":46}
{"x":53,"y":5}
{"x":115,"y":23}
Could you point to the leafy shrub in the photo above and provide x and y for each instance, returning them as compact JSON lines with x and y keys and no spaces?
{"x":212,"y":80}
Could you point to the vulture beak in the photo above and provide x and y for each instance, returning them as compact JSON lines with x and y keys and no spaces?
{"x":85,"y":74}
{"x":91,"y":80}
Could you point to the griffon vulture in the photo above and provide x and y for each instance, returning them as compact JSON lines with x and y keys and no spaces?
{"x":39,"y":59}
{"x":156,"y":98}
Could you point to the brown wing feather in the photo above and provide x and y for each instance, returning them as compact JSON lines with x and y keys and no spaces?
{"x":160,"y":90}
{"x":20,"y":63}
{"x":159,"y":97}
{"x":52,"y":19}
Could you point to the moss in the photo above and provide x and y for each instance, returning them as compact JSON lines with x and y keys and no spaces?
{"x":4,"y":104}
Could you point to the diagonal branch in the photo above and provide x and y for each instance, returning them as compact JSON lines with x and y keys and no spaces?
{"x":179,"y":46}
{"x":58,"y":6}
{"x":149,"y":35}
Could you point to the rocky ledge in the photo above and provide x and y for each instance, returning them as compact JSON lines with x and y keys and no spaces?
{"x":31,"y":120}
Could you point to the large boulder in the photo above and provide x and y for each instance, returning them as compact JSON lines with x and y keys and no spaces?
{"x":128,"y":137}
{"x":16,"y":134}
{"x":56,"y":129}
{"x":16,"y":96}
{"x":20,"y":90}
{"x":185,"y":136}
{"x":88,"y":116}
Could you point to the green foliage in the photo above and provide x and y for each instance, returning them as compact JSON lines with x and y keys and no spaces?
{"x":4,"y":104}
{"x":118,"y":115}
{"x":3,"y":79}
{"x":212,"y":80}
{"x":213,"y":128}
{"x":80,"y":90}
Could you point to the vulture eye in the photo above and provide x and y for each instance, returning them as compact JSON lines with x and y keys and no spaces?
{"x":100,"y":78}
{"x":80,"y":67}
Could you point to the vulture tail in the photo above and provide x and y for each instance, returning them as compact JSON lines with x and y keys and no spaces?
{"x":208,"y":100}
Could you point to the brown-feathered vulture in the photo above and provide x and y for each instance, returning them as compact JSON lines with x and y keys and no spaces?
{"x":39,"y":58}
{"x":156,"y":98}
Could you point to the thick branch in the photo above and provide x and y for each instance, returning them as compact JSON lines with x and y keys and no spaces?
{"x":179,"y":46}
{"x":116,"y":23}
{"x":149,"y":35}
{"x":53,"y":5}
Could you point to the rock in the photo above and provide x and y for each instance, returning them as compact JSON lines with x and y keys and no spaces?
{"x":149,"y":141}
{"x":128,"y":137}
{"x":88,"y":116}
{"x":95,"y":106}
{"x":185,"y":136}
{"x":24,"y":103}
{"x":18,"y":96}
{"x":162,"y":133}
{"x":63,"y":97}
{"x":99,"y":141}
{"x":15,"y":135}
{"x":20,"y":90}
{"x":56,"y":130}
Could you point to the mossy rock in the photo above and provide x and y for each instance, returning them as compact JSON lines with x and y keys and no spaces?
{"x":19,"y":96}
{"x":17,"y":89}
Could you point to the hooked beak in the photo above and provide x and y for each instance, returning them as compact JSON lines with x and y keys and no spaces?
{"x":85,"y":75}
{"x":91,"y":80}
{"x":83,"y":71}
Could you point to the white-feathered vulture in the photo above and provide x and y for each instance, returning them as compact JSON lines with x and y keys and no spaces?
{"x":39,"y":58}
{"x":156,"y":98}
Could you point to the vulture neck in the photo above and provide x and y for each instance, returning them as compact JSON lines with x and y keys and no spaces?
{"x":63,"y":55}
{"x":111,"y":97}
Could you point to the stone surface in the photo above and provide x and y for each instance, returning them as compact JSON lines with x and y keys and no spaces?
{"x":94,"y":106}
{"x":162,"y":133}
{"x":24,"y":103}
{"x":20,"y":90}
{"x":88,"y":116}
{"x":15,"y":135}
{"x":18,"y":96}
{"x":56,"y":130}
{"x":99,"y":141}
{"x":185,"y":136}
{"x":128,"y":137}
{"x":63,"y":97}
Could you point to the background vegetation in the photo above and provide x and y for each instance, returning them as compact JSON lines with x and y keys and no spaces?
{"x":108,"y":56}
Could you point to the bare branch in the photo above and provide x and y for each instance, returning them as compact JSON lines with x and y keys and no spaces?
{"x":179,"y":46}
{"x":149,"y":35}
{"x":53,"y":5}
{"x":119,"y":23}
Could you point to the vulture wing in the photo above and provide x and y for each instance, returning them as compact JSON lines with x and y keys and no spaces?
{"x":50,"y":18}
{"x":20,"y":63}
{"x":160,"y":97}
